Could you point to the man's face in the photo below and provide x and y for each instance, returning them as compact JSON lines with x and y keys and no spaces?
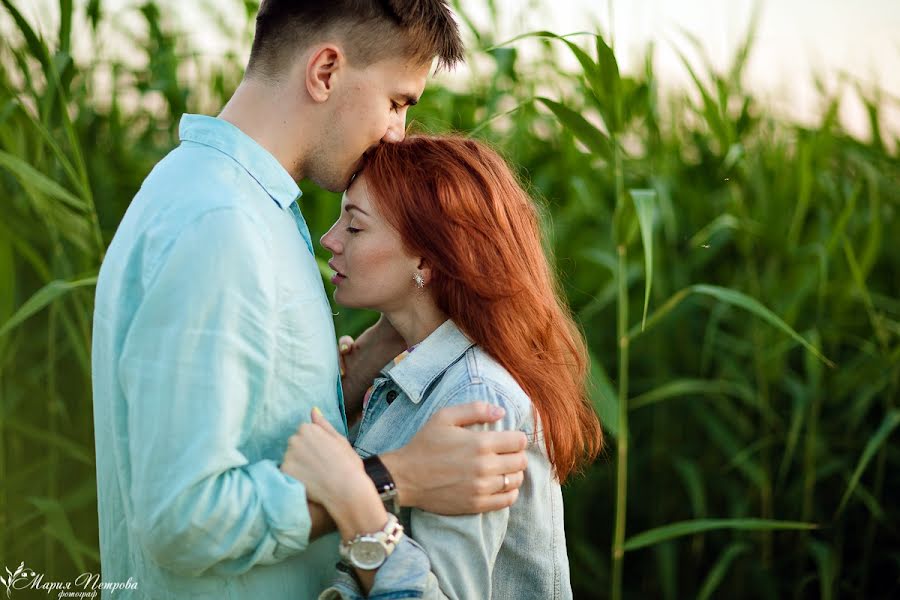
{"x":370,"y":108}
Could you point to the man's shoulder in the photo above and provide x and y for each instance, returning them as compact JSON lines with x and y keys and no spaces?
{"x":208,"y":177}
{"x":193,"y":185}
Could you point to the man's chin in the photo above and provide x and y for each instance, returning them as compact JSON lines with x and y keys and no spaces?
{"x":336,"y":185}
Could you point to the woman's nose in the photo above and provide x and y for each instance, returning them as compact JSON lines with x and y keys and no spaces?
{"x":329,"y":241}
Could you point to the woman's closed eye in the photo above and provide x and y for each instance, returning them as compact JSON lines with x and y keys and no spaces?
{"x":353,"y":230}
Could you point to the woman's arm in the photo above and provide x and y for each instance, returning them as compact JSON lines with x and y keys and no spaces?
{"x":452,"y":557}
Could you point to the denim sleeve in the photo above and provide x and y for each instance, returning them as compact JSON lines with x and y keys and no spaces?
{"x":405,"y":574}
{"x":194,"y":361}
{"x":452,"y":557}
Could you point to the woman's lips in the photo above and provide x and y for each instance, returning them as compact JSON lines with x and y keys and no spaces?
{"x":338,"y":276}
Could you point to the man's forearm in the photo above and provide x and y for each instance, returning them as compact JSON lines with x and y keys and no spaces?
{"x":448,"y":469}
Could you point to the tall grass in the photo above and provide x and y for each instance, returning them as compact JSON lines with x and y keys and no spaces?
{"x":736,"y":272}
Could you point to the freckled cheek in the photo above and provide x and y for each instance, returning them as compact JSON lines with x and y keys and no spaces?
{"x":367,"y":261}
{"x":378,"y":268}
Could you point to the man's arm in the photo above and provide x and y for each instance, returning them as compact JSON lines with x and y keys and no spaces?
{"x":450,"y":470}
{"x":446,"y":468}
{"x":193,"y":367}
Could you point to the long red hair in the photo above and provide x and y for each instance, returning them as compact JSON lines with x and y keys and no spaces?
{"x":456,"y":203}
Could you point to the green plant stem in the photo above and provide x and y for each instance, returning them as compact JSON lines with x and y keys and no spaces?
{"x":618,"y":549}
{"x":877,"y":491}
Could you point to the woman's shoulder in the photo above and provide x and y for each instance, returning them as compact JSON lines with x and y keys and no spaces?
{"x":478,"y":376}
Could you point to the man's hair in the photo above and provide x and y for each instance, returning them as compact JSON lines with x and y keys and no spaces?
{"x":369,"y":30}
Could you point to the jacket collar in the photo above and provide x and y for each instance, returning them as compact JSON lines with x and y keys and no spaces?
{"x":431,"y":357}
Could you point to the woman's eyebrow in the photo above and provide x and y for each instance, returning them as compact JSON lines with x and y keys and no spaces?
{"x":350,"y":207}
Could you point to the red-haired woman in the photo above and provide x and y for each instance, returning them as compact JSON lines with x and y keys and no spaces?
{"x":438,"y":236}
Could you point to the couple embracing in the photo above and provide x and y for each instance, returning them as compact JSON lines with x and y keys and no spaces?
{"x":239,"y":454}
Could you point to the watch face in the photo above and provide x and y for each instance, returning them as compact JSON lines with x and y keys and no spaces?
{"x":367,"y":554}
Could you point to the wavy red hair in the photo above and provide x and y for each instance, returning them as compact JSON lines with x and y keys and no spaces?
{"x":456,"y":203}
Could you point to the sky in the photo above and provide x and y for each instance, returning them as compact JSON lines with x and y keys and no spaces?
{"x":836,"y":39}
{"x":796,"y":39}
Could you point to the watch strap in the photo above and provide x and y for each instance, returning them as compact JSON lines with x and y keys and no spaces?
{"x":384,"y":483}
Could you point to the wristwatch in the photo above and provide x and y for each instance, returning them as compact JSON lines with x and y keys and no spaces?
{"x":369,"y":551}
{"x":384,"y":483}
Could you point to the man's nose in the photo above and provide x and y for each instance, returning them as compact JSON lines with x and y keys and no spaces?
{"x":397,"y":129}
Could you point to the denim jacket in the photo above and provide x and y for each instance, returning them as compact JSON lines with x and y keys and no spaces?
{"x":513,"y":553}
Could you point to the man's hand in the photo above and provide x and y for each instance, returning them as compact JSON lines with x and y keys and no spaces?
{"x":360,"y":361}
{"x":451,"y":470}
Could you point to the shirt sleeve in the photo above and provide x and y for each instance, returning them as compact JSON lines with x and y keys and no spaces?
{"x":194,"y":364}
{"x":450,"y":557}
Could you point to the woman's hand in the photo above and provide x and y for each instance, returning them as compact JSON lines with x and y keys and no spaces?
{"x":322,"y":459}
{"x":346,"y":346}
{"x":333,"y":474}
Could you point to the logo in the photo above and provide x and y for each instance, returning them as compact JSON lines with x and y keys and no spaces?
{"x":86,"y":585}
{"x":21,"y":574}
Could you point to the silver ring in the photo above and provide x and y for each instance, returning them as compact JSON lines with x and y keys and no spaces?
{"x":505,"y":482}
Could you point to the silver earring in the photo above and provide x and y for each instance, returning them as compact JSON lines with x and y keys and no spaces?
{"x":420,"y":281}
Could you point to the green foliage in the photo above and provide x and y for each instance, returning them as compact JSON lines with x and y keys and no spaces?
{"x":749,"y":394}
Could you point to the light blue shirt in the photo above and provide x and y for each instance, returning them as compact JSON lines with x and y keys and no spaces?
{"x":213,"y":339}
{"x":514,"y":553}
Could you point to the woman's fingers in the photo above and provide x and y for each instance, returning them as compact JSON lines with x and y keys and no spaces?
{"x":319,"y":419}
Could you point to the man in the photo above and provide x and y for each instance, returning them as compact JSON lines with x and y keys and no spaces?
{"x":213,"y":336}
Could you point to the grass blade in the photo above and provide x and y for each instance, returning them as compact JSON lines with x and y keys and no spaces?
{"x":30,"y":177}
{"x":644,"y":203}
{"x":590,"y":136}
{"x":890,"y":422}
{"x":42,"y":298}
{"x":683,"y":528}
{"x":603,"y":396}
{"x":734,"y":298}
{"x":717,"y":573}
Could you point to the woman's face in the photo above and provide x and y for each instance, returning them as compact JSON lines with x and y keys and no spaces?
{"x":372,"y":268}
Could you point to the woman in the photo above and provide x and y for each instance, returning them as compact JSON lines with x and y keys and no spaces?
{"x":437,"y":235}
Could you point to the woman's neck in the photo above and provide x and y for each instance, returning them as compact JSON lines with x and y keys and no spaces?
{"x":416,"y":322}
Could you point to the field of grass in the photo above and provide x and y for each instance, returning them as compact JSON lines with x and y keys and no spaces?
{"x":737,"y":277}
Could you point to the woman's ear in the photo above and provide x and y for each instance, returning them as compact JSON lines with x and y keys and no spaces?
{"x":322,"y":70}
{"x":425,"y":270}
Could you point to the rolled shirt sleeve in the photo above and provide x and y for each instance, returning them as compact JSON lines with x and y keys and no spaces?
{"x":196,"y":359}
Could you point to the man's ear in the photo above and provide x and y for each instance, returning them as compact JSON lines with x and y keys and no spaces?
{"x":321,"y":71}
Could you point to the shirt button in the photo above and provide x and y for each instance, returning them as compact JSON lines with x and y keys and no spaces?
{"x":391,"y":396}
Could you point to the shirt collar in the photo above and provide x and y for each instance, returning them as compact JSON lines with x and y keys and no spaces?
{"x":432,"y":356}
{"x":256,"y":160}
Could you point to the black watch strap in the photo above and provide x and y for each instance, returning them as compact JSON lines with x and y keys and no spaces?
{"x":383,"y":482}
